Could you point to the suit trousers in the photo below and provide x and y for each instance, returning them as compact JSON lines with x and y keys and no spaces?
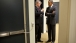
{"x":38,"y":31}
{"x":41,"y":28}
{"x":51,"y":32}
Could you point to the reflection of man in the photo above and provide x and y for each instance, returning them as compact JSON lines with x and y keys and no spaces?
{"x":38,"y":14}
{"x":50,"y":13}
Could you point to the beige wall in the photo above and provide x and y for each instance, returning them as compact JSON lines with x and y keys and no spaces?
{"x":64,"y":21}
{"x":72,"y":30}
{"x":67,"y":21}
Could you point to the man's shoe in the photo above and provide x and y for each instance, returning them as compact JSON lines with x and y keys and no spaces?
{"x":39,"y":41}
{"x":52,"y":42}
{"x":49,"y":41}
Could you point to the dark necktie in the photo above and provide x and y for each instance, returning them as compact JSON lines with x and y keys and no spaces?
{"x":39,"y":8}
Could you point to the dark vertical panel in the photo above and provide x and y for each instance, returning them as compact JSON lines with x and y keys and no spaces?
{"x":11,"y":15}
{"x":42,"y":3}
{"x":28,"y":37}
{"x":12,"y":19}
{"x":57,"y":11}
{"x":34,"y":17}
{"x":27,"y":16}
{"x":27,"y":22}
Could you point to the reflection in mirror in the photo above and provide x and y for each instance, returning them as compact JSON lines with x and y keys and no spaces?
{"x":46,"y":20}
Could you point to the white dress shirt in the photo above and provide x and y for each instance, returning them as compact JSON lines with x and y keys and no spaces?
{"x":51,"y":5}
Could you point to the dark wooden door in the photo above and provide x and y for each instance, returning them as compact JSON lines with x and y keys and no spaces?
{"x":11,"y":19}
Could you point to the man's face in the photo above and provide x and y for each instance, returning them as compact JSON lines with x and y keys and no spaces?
{"x":49,"y":3}
{"x":38,"y":4}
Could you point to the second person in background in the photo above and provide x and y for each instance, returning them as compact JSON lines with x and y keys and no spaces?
{"x":38,"y":14}
{"x":51,"y":22}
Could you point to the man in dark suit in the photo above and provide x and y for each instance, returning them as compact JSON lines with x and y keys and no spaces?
{"x":51,"y":22}
{"x":38,"y":15}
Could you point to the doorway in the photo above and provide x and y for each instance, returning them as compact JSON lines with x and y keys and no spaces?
{"x":62,"y":22}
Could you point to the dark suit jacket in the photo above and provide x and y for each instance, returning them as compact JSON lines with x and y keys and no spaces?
{"x":50,"y":16}
{"x":38,"y":15}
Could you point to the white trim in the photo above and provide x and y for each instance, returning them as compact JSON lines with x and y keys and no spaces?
{"x":45,"y":5}
{"x":32,"y":20}
{"x":56,"y":0}
{"x":72,"y":30}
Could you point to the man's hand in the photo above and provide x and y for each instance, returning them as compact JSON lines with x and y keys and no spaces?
{"x":53,"y":12}
{"x":42,"y":10}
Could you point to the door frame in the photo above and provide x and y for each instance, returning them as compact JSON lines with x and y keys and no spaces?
{"x":29,"y":21}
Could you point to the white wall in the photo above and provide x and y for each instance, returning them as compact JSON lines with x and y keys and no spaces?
{"x":45,"y":5}
{"x":72,"y":32}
